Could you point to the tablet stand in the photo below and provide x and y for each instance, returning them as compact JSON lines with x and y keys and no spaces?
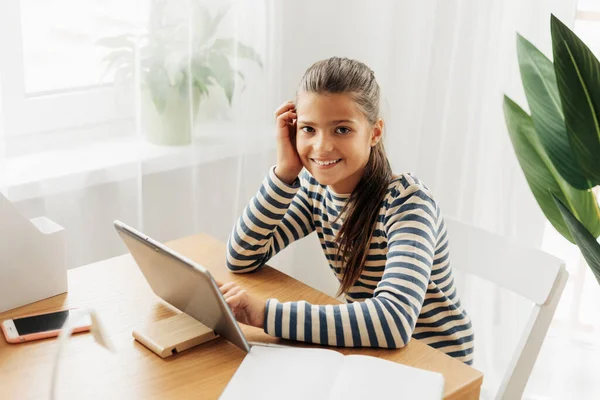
{"x":173,"y":335}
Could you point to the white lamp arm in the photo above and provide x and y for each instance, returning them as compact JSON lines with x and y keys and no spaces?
{"x":97,"y":330}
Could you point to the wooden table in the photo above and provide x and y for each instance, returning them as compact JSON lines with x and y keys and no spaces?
{"x":116,"y":289}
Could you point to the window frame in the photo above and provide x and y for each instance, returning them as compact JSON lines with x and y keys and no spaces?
{"x":55,"y":110}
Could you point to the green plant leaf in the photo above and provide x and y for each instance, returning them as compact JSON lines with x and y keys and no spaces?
{"x":590,"y":248}
{"x":182,"y":85}
{"x":158,"y":83}
{"x":206,"y":25}
{"x":175,"y":64}
{"x":578,"y":78}
{"x":125,"y":41}
{"x":214,"y":22}
{"x":202,"y":76}
{"x":539,"y":82}
{"x":223,"y":73}
{"x":543,"y":178}
{"x":230,"y":47}
{"x":201,"y":18}
{"x":150,"y":53}
{"x":117,"y":59}
{"x":201,"y":72}
{"x":201,"y":87}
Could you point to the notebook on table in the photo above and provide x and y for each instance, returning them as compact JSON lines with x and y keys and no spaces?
{"x":305,"y":373}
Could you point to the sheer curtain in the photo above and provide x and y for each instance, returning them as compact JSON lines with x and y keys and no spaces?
{"x":75,"y":144}
{"x":74,"y":147}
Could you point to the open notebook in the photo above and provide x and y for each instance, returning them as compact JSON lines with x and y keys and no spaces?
{"x":300,"y":373}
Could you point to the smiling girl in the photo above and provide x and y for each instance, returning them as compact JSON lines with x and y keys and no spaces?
{"x":383,"y":234}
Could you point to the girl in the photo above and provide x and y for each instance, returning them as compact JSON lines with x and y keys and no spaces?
{"x":383,"y":235}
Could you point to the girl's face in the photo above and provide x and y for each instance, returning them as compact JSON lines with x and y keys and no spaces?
{"x":334,"y":139}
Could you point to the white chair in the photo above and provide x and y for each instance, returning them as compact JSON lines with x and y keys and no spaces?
{"x":513,"y":267}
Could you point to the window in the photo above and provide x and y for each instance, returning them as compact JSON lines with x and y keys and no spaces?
{"x":59,"y":49}
{"x":52,"y":70}
{"x":52,"y":75}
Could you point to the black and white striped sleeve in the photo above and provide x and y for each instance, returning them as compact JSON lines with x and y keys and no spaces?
{"x":275,"y":217}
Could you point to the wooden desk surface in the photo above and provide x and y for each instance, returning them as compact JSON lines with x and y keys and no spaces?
{"x":123,"y":300}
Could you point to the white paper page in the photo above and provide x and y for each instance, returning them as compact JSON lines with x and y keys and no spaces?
{"x":362,"y":377}
{"x":276,"y":373}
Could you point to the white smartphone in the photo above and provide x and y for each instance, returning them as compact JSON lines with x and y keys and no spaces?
{"x":40,"y":326}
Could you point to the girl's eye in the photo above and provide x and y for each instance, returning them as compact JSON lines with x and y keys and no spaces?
{"x":342,"y":130}
{"x":307,"y":129}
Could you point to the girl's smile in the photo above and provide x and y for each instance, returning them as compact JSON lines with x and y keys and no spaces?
{"x":326,"y":163}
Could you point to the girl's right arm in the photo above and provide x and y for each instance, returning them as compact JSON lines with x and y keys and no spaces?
{"x":280,"y":212}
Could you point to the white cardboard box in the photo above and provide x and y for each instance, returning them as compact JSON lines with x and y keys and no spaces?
{"x":32,"y":258}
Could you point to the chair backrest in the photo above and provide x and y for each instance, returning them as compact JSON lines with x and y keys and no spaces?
{"x":530,"y":273}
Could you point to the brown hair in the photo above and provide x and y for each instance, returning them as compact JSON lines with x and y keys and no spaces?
{"x":342,"y":75}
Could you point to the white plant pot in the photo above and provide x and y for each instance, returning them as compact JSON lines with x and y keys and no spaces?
{"x":172,"y":126}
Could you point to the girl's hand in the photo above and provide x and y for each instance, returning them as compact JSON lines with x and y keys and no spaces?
{"x":248,"y":309}
{"x":288,"y":161}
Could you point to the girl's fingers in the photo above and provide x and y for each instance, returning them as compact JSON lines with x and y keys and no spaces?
{"x":233,"y":302}
{"x":237,"y":300}
{"x":286,"y":118}
{"x":284,"y":107}
{"x":227,"y":287}
{"x":232,"y":292}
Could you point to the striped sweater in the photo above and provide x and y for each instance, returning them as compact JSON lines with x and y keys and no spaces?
{"x":406,"y":288}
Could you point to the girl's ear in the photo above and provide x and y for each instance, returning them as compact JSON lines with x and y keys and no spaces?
{"x":377,"y":134}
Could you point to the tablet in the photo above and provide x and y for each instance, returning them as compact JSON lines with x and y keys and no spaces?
{"x":182,"y":283}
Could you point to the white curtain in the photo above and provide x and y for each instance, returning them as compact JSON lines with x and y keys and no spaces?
{"x":74,"y":144}
{"x":443,"y":66}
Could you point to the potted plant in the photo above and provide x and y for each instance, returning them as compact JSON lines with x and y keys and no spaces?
{"x":558,"y":144}
{"x":177,"y":68}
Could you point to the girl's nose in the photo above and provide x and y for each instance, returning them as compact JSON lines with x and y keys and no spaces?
{"x":322,"y":143}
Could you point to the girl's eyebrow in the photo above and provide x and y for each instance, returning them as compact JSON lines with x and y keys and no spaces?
{"x":337,"y":121}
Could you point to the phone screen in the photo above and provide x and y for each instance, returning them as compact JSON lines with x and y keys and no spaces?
{"x":41,"y":323}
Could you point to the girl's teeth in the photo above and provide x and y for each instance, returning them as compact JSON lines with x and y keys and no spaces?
{"x":326,"y":162}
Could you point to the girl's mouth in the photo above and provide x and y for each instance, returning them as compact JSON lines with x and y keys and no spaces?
{"x":323,"y":164}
